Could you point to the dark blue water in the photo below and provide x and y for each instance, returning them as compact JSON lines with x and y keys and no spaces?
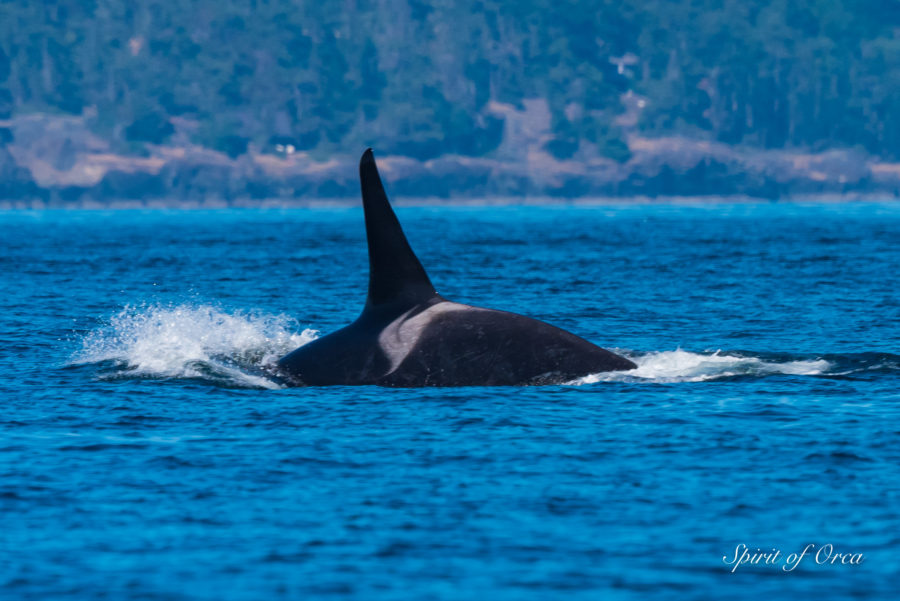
{"x":146,"y":454}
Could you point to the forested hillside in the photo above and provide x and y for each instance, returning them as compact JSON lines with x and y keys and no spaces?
{"x":424,"y":78}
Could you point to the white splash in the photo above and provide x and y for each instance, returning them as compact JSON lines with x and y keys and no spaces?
{"x":193,"y":341}
{"x":685,"y":366}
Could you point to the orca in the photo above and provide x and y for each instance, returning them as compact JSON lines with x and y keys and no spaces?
{"x":408,"y":335}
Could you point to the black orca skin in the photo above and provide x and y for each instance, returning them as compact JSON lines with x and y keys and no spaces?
{"x":410,"y":336}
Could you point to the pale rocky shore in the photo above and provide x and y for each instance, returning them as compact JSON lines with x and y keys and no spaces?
{"x":57,"y":161}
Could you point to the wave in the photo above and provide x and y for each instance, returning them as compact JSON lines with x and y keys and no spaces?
{"x":685,"y":366}
{"x":192,"y":341}
{"x":239,"y":349}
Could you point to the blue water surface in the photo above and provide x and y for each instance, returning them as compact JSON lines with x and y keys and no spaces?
{"x":146,"y":452}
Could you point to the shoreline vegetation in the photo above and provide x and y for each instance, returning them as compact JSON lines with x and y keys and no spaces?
{"x":219,"y":102}
{"x":55,"y":161}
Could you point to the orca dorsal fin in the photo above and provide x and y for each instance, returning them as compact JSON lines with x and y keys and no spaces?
{"x":395,"y":273}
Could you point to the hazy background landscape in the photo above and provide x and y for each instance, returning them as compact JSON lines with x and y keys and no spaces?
{"x":210,"y":102}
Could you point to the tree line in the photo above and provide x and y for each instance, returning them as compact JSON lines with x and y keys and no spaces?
{"x":416,"y":77}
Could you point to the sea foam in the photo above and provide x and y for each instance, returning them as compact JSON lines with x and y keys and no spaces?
{"x":684,"y":366}
{"x":193,"y":341}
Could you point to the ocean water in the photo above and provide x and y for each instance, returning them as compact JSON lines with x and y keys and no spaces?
{"x":146,"y":452}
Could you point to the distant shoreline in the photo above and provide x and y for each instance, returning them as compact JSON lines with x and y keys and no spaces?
{"x":57,"y":162}
{"x":458,"y":202}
